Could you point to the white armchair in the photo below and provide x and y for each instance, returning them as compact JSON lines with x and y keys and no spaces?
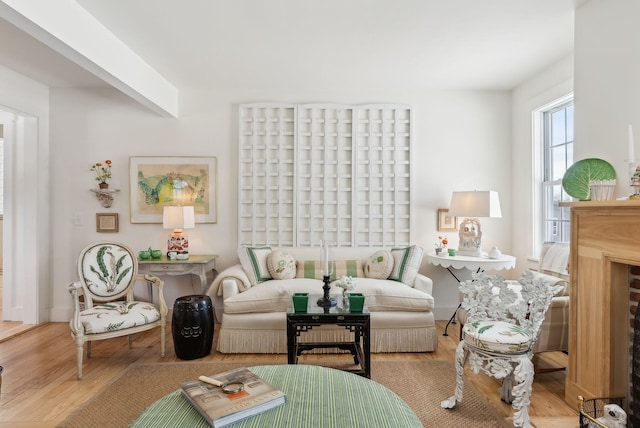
{"x":104,"y":306}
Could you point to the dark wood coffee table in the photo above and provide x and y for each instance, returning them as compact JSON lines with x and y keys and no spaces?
{"x":357,"y":323}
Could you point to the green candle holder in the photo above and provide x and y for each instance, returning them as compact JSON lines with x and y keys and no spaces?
{"x":356,"y":302}
{"x":300,"y":302}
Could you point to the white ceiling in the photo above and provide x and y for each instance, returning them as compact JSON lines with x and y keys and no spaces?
{"x":460,"y":44}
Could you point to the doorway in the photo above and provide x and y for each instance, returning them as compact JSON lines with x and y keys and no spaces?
{"x":21,"y":305}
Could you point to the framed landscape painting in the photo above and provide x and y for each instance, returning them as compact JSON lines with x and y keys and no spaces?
{"x":156,"y":182}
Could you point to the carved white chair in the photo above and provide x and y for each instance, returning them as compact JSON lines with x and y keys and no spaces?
{"x":104,"y":305}
{"x":500,"y":334}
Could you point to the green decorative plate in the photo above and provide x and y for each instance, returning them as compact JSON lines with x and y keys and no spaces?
{"x":576,"y":180}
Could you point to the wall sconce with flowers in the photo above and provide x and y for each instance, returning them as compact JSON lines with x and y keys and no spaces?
{"x":102,"y":174}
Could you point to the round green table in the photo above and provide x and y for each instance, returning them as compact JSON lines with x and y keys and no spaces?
{"x":316,"y":397}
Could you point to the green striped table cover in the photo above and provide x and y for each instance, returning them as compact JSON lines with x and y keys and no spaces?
{"x":316,"y":397}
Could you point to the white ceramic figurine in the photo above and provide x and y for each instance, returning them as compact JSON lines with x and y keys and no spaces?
{"x":614,"y":417}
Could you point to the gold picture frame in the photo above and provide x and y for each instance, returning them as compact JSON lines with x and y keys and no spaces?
{"x":446,"y":222}
{"x":106,"y":222}
{"x":156,"y":182}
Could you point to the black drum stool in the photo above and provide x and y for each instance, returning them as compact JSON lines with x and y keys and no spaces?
{"x":192,"y":326}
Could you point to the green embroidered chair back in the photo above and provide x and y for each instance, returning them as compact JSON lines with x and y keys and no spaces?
{"x":106,"y":271}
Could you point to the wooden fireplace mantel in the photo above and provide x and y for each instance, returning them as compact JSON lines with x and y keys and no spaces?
{"x":605,"y":240}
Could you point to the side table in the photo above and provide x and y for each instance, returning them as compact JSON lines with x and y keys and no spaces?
{"x":357,"y":323}
{"x":196,"y":264}
{"x":477,"y":264}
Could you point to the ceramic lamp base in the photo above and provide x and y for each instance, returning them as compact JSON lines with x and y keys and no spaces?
{"x":178,"y":242}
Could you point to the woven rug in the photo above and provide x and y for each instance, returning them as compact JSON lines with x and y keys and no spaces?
{"x":421,"y":384}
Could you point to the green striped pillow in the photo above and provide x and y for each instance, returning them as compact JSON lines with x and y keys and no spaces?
{"x":313,"y":269}
{"x":351,"y":268}
{"x":254,"y":263}
{"x":406,"y":264}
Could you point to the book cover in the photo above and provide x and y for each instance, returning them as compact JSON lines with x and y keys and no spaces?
{"x":221,"y":409}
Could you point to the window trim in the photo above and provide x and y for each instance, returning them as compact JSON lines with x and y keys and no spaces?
{"x":538,"y":178}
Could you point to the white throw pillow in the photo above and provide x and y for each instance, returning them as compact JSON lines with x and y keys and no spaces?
{"x":406,"y":262}
{"x":281,"y":265}
{"x":379,"y":265}
{"x":254,"y":263}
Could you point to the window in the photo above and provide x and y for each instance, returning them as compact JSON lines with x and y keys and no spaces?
{"x":557,"y":156}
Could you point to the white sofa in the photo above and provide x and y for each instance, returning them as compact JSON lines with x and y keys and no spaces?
{"x":254,"y":316}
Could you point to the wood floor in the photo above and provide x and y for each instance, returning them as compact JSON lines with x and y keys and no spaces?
{"x":40,"y":389}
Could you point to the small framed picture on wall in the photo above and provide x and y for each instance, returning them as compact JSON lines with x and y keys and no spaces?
{"x":107,"y":222}
{"x":446,"y":222}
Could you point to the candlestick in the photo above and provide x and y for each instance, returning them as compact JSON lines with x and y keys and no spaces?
{"x":326,"y":258}
{"x":631,"y":149}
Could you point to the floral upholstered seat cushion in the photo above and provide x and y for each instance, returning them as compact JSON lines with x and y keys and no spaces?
{"x":118,"y":316}
{"x":497,"y":336}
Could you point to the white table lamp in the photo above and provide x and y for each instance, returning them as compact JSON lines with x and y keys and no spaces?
{"x":473,"y":205}
{"x":178,"y":218}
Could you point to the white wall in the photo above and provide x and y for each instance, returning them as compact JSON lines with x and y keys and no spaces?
{"x":542,"y":89}
{"x":607,"y":82}
{"x":462,"y":142}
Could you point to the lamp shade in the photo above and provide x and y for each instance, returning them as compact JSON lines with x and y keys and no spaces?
{"x":475,"y":204}
{"x":181,"y":217}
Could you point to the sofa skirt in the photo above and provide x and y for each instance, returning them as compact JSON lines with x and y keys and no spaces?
{"x":266,"y":333}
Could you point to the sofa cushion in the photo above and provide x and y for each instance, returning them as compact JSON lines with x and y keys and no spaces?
{"x":254,"y":263}
{"x":385,"y":295}
{"x":281,"y":265}
{"x":554,"y":259}
{"x":379,"y":265}
{"x":271,"y":296}
{"x":312,"y":269}
{"x":406,"y":263}
{"x":380,"y":295}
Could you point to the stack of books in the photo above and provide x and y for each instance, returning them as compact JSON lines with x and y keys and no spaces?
{"x":246,"y":395}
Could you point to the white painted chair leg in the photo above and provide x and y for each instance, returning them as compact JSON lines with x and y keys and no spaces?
{"x":79,"y":352}
{"x":506,"y":389}
{"x":461,"y":359}
{"x":523,"y":376}
{"x":163,"y":340}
